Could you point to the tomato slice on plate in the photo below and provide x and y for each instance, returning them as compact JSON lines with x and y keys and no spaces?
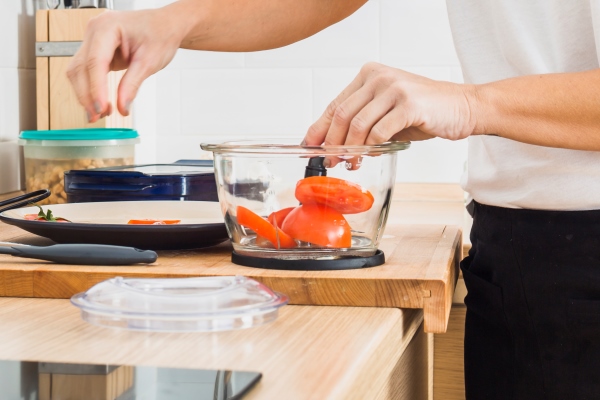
{"x":153,"y":221}
{"x":339,"y":194}
{"x":318,"y":224}
{"x":276,"y":218}
{"x":264,"y":229}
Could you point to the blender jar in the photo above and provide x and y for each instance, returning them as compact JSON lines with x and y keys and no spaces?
{"x":284,"y":201}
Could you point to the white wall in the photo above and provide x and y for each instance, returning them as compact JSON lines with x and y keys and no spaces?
{"x":207,"y":96}
{"x":17,"y":85}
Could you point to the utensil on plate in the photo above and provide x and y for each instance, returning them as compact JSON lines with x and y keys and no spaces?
{"x":81,"y":254}
{"x":24,"y":199}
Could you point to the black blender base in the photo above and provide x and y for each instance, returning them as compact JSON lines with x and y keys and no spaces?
{"x":352,"y":262}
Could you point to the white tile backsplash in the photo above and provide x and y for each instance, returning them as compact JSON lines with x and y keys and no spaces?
{"x":174,"y":147}
{"x":246,"y":102}
{"x":144,"y":121}
{"x":168,"y":102}
{"x":434,"y":160}
{"x":17,"y":29}
{"x":17,"y":102}
{"x":351,"y":42}
{"x":328,"y":83}
{"x":416,"y":33}
{"x":193,"y":59}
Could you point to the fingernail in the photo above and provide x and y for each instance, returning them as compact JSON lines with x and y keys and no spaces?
{"x":97,"y":107}
{"x":128,"y":106}
{"x":303,"y":143}
{"x":89,"y":116}
{"x":327,"y":163}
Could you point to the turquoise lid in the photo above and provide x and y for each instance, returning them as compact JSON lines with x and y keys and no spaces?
{"x":81,"y":134}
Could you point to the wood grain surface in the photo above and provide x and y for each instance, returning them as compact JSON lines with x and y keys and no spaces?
{"x":420,"y":272}
{"x":42,"y":73}
{"x":307,"y":353}
{"x":57,"y":104}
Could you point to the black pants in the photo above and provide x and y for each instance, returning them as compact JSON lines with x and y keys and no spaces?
{"x":533,"y":305}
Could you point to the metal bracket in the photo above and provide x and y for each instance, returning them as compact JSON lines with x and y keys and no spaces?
{"x":56,"y":49}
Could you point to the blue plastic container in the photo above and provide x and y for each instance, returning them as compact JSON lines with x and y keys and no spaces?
{"x":182,"y":180}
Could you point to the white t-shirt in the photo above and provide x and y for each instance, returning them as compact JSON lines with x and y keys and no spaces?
{"x":498,"y":39}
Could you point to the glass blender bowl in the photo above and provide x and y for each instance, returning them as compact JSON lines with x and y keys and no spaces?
{"x":288,"y":206}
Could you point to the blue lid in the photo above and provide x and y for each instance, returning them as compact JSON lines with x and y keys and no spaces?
{"x":81,"y":134}
{"x":183,"y":180}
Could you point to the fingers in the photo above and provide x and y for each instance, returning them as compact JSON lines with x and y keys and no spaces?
{"x":89,"y":68}
{"x":361,"y":125}
{"x":79,"y":82}
{"x":130,"y":84}
{"x":411,"y":134}
{"x":391,"y":123}
{"x":345,"y":115}
{"x":318,"y":131}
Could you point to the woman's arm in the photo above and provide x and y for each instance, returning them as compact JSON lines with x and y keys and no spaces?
{"x":145,"y":41}
{"x":553,"y":110}
{"x":383,"y":103}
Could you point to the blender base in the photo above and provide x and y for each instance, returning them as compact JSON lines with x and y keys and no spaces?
{"x":351,"y":262}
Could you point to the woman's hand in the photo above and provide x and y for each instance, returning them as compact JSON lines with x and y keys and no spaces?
{"x":384,"y":103}
{"x":143,"y":42}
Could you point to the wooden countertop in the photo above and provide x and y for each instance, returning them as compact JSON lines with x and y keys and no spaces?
{"x":307,"y":353}
{"x":420,"y":270}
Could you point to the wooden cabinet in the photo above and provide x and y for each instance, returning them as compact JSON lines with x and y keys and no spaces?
{"x":57,"y":105}
{"x":448,"y":361}
{"x":101,"y":382}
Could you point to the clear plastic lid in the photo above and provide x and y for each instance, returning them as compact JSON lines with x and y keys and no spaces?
{"x":180,"y":304}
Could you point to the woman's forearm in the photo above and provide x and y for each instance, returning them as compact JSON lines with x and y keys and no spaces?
{"x":554,"y":110}
{"x":250,"y":25}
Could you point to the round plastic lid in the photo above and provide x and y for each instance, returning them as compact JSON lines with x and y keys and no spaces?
{"x":81,"y":134}
{"x":179,"y":304}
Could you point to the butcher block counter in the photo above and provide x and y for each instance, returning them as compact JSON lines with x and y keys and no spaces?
{"x":346,"y":334}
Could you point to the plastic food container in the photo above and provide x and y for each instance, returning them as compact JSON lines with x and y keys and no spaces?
{"x":337,"y":212}
{"x":48,"y":154}
{"x":179,"y":304}
{"x":183,"y":180}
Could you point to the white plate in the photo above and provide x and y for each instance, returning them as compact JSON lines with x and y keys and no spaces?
{"x":201,"y":223}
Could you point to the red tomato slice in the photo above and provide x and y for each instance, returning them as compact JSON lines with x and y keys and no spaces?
{"x":36,"y":217}
{"x":153,"y":221}
{"x":343,"y":196}
{"x":318,"y":224}
{"x":277,"y":217}
{"x":264,"y":229}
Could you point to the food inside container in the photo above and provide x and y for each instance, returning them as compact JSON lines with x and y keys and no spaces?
{"x":48,"y":154}
{"x":290,"y":202}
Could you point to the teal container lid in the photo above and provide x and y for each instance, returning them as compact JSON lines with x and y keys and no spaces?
{"x":81,"y":134}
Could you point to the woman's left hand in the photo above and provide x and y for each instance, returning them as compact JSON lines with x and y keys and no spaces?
{"x":384,"y":103}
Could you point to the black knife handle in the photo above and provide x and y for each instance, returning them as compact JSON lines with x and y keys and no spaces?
{"x":87,"y":254}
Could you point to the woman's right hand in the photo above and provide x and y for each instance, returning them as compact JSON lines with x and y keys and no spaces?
{"x":143,"y":42}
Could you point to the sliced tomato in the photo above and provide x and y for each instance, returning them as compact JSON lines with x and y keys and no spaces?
{"x":36,"y":217}
{"x":153,"y":221}
{"x":341,"y":195}
{"x":318,"y":224}
{"x":264,"y":229}
{"x":276,"y":218}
